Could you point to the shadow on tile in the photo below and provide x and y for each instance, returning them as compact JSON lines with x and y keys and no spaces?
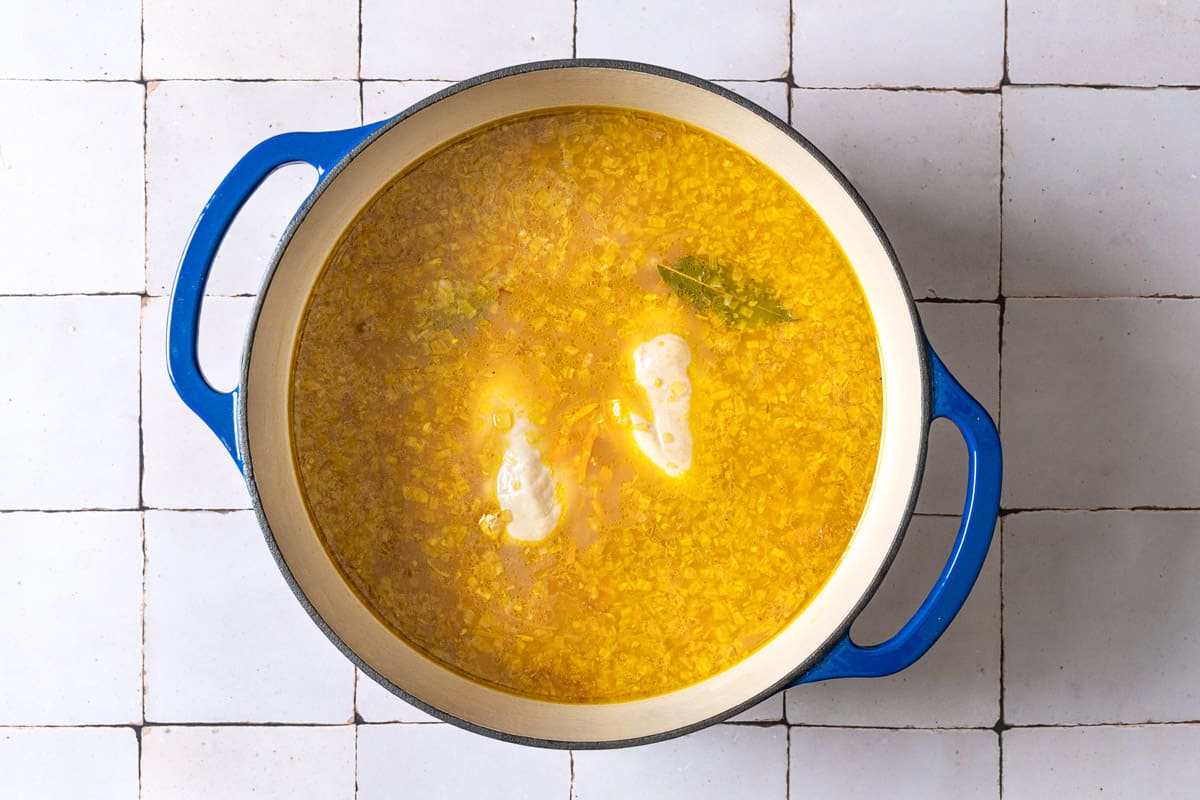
{"x":1098,"y":403}
{"x":956,"y":684}
{"x":928,"y":165}
{"x":1100,"y":617}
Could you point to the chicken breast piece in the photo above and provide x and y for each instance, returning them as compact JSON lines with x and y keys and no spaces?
{"x":661,"y":369}
{"x":527,"y":489}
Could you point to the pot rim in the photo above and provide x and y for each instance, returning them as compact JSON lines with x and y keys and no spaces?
{"x":326,"y":178}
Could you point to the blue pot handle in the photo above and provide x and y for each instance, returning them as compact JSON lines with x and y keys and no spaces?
{"x":320,"y":150}
{"x":848,"y":660}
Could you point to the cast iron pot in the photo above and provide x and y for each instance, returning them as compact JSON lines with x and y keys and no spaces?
{"x":253,"y":423}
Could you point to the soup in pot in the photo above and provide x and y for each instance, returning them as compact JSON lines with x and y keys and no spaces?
{"x":587,"y":405}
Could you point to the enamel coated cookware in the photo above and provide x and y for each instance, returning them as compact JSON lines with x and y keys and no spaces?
{"x":252,"y":421}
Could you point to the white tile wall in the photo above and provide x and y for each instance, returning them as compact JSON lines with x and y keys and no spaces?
{"x":1103,"y":42}
{"x":65,"y":39}
{"x":452,"y":41}
{"x":1116,"y":763}
{"x":226,"y":640}
{"x":68,"y":386}
{"x":711,"y":39}
{"x":80,"y":146}
{"x":928,"y":165}
{"x":263,"y":762}
{"x":927,"y":43}
{"x":118,"y":119}
{"x":445,"y":762}
{"x":314,"y":40}
{"x":1097,"y":215}
{"x":71,"y":595}
{"x":1100,"y":395}
{"x":907,"y":765}
{"x":718,"y":762}
{"x":1099,"y":617}
{"x":68,"y":763}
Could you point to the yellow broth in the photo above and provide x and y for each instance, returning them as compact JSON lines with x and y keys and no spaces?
{"x":518,"y":266}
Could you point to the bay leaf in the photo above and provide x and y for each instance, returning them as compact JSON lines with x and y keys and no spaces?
{"x":710,"y":286}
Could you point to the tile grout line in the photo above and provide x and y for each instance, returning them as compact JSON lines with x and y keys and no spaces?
{"x":119,"y":510}
{"x":1000,"y":723}
{"x":1189,"y":87}
{"x":138,"y":729}
{"x":1004,"y":76}
{"x":1007,"y":727}
{"x":1000,"y":765}
{"x":137,"y":732}
{"x":790,"y":75}
{"x":1007,"y":512}
{"x":356,"y":729}
{"x":35,"y":295}
{"x":1175,"y":723}
{"x":362,"y":89}
{"x":142,"y":620}
{"x":137,"y":735}
{"x":357,"y":719}
{"x":1160,"y":296}
{"x":142,"y":42}
{"x":143,"y":298}
{"x":787,"y":764}
{"x":571,"y":783}
{"x":141,"y":333}
{"x":861,"y":727}
{"x":574,"y":28}
{"x":951,"y":301}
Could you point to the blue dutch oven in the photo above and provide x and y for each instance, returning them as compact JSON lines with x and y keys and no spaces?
{"x":252,"y":421}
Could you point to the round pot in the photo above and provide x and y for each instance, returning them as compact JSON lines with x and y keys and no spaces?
{"x":253,"y":420}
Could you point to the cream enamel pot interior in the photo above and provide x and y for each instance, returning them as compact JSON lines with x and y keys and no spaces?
{"x":253,"y":420}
